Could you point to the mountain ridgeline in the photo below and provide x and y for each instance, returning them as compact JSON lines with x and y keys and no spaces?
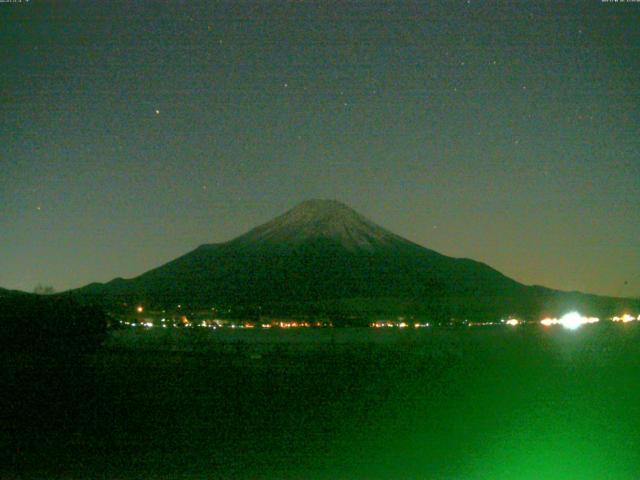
{"x":324,"y":259}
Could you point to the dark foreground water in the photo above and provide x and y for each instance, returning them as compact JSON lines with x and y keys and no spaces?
{"x":483,"y":403}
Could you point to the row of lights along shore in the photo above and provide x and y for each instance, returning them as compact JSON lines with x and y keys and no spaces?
{"x":571,"y":321}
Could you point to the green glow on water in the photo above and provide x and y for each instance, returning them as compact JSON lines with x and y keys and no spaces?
{"x":477,"y":404}
{"x":560,"y":405}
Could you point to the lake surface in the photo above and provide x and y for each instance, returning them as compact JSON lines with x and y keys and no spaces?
{"x":479,"y":403}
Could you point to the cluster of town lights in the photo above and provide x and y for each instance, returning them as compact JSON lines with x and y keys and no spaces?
{"x":626,"y":318}
{"x":397,"y":324}
{"x":183,"y":321}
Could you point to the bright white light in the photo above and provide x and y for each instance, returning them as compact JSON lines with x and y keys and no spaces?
{"x":512,"y":321}
{"x":571,"y":320}
{"x":574,"y":320}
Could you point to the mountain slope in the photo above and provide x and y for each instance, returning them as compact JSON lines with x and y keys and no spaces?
{"x":322,"y":256}
{"x":4,"y":293}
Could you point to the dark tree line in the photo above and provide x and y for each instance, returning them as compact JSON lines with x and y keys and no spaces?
{"x":49,"y":324}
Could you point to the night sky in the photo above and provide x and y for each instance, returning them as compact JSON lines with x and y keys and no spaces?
{"x":132,"y":132}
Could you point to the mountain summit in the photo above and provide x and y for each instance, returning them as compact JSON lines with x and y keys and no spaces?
{"x":322,"y":258}
{"x":321,"y":220}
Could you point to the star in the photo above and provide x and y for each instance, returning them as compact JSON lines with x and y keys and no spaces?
{"x":157,"y":112}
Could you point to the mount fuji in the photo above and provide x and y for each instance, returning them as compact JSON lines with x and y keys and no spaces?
{"x":324,"y":258}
